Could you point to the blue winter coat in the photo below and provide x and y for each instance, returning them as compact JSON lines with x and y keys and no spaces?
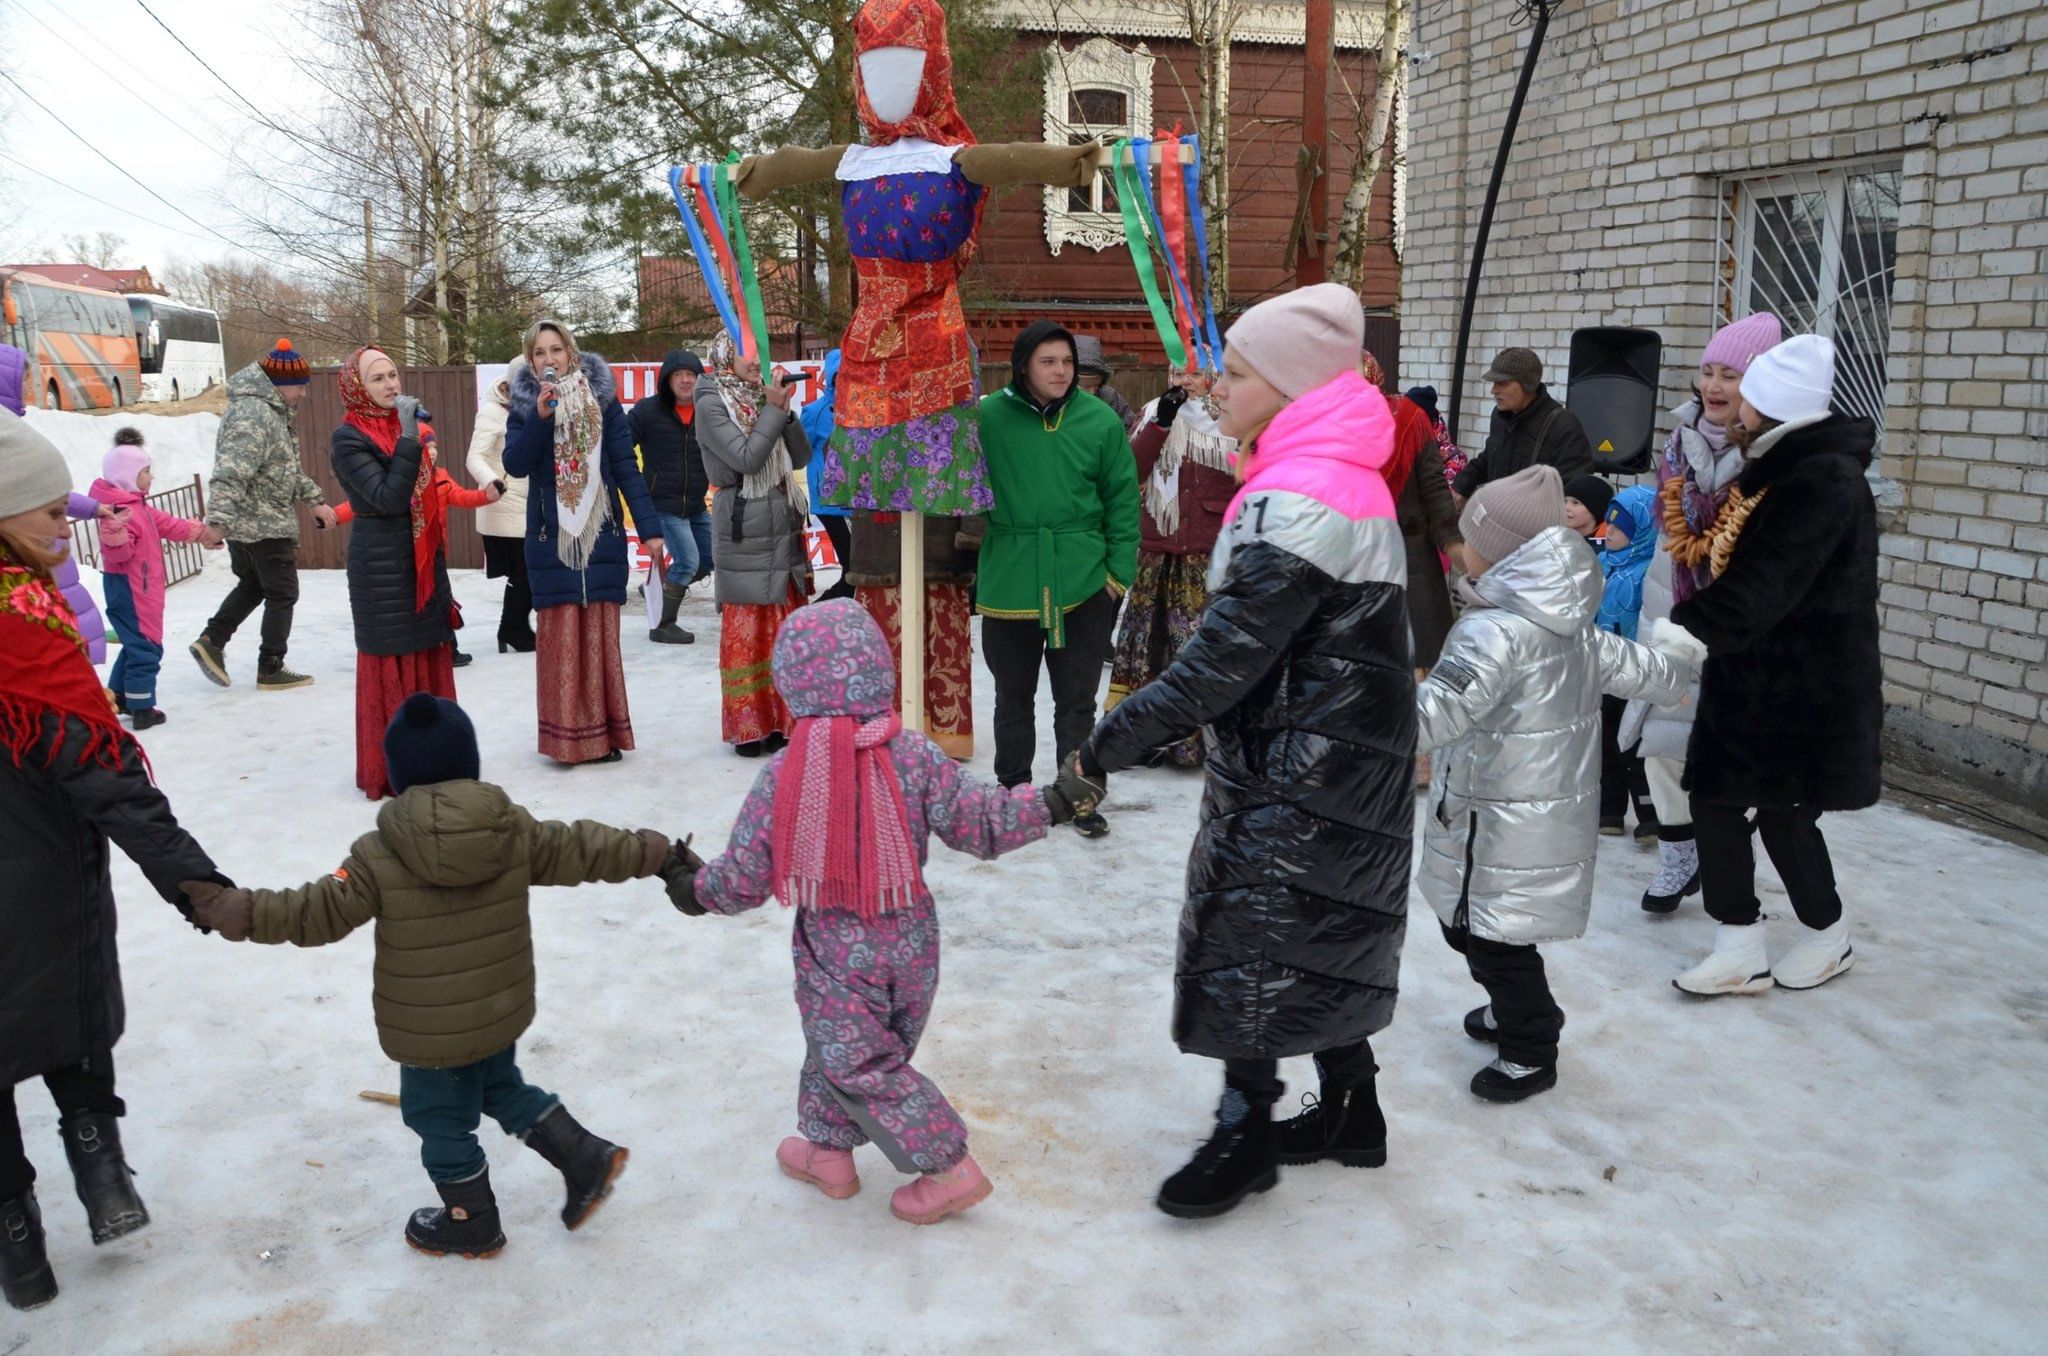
{"x":819,"y":421}
{"x":1621,"y":603}
{"x":530,"y":453}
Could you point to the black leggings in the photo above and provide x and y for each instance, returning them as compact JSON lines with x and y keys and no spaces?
{"x":81,"y":1087}
{"x":1792,"y":836}
{"x":1258,"y":1080}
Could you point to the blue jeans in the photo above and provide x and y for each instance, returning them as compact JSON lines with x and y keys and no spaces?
{"x":688,"y":543}
{"x":444,"y":1106}
{"x":133,"y":677}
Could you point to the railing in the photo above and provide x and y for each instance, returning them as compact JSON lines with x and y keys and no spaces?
{"x":182,"y":559}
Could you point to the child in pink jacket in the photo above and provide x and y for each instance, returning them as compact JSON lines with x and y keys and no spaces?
{"x":132,"y":557}
{"x":837,"y":826}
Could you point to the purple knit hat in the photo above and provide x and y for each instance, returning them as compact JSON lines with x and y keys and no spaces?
{"x":831,"y":659}
{"x":1740,"y":344}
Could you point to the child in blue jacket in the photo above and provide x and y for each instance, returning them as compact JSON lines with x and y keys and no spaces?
{"x":1626,"y":547}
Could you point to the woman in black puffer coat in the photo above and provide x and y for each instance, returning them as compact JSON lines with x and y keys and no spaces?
{"x":404,"y":637}
{"x":1297,"y":890}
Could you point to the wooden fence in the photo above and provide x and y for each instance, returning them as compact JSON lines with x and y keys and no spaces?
{"x":182,"y":559}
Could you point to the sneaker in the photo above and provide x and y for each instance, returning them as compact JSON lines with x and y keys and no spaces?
{"x":1678,"y":875}
{"x":829,"y":1170}
{"x":1480,"y":1026}
{"x":1240,"y":1159}
{"x":1738,"y":964}
{"x":1506,"y":1081}
{"x":1091,"y":825}
{"x":280,"y":678}
{"x":1818,"y":956}
{"x":148,"y":718}
{"x":212,"y":662}
{"x":936,"y":1195}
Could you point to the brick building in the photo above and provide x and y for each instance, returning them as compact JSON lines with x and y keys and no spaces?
{"x":1876,"y":170}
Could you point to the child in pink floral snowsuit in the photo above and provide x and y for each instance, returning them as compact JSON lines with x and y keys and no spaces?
{"x":837,"y":825}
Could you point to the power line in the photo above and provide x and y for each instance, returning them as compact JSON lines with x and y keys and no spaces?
{"x":126,"y":85}
{"x":73,"y":188}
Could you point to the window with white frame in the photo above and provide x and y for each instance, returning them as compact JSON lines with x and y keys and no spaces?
{"x":1098,"y":90}
{"x":1819,"y":249}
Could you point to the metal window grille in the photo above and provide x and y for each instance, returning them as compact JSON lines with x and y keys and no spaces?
{"x":182,"y":559}
{"x":1818,"y":248}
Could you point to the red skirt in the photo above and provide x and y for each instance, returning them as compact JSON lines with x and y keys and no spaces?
{"x":581,"y":683}
{"x":750,"y":708}
{"x":948,"y":658}
{"x":383,"y":682}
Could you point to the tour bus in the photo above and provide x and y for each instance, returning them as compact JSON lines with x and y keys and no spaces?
{"x":80,"y":343}
{"x":179,"y":346}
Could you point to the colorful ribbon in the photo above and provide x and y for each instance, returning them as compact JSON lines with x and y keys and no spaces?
{"x":1173,"y":217}
{"x":708,"y":259}
{"x":718,"y":237}
{"x":1212,"y":357}
{"x":1184,"y":302}
{"x":750,"y":282}
{"x":1123,"y":169}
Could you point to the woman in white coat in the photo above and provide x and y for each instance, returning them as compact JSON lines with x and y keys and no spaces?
{"x":503,"y":524}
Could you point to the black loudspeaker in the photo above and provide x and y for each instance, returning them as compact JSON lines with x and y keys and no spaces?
{"x":1613,"y":391}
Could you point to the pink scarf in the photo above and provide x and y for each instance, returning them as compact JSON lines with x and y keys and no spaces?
{"x":842,"y":836}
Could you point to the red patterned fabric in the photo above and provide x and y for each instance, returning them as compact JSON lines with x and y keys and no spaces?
{"x":920,"y":24}
{"x":750,"y":708}
{"x":580,"y":683}
{"x":383,"y":682}
{"x":44,"y":668}
{"x":906,"y":353}
{"x":948,"y":658}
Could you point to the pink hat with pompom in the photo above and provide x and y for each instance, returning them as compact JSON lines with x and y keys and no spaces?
{"x":1738,"y":345}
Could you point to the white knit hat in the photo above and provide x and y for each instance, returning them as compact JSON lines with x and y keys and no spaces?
{"x":1795,"y":380}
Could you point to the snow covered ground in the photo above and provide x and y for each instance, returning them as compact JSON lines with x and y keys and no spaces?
{"x":180,"y":445}
{"x":1854,"y":1169}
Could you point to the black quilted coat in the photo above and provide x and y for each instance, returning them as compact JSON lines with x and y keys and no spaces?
{"x":1297,"y":889}
{"x":60,"y":974}
{"x":381,"y":596}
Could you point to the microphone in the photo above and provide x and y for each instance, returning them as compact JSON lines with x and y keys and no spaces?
{"x":548,"y":378}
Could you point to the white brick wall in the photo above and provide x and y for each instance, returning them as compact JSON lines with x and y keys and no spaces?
{"x":1608,"y":216}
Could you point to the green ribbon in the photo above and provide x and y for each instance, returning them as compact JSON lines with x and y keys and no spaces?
{"x":1137,"y":235}
{"x":743,"y":256}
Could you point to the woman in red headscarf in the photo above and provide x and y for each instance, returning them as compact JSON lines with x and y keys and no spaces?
{"x":398,"y":592}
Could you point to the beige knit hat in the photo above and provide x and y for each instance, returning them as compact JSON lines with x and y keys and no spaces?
{"x":1301,"y":340}
{"x":32,"y":471}
{"x":1503,"y":514}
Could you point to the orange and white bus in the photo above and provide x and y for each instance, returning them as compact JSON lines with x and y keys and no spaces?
{"x":80,"y":343}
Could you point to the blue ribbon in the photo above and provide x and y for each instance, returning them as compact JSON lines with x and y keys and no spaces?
{"x":707,"y":261}
{"x":1213,"y":346}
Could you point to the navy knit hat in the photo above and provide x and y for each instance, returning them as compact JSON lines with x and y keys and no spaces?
{"x":430,"y":740}
{"x":1425,"y":398}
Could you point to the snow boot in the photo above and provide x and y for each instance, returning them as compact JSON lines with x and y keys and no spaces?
{"x":1480,"y":1026}
{"x":1737,"y":964}
{"x":461,"y":658}
{"x":1342,"y":1124}
{"x":1678,"y":875}
{"x":148,"y":718}
{"x":936,"y":1195}
{"x":273,"y":676}
{"x":1091,"y":825}
{"x":211,"y":660}
{"x":1613,"y":826}
{"x":1505,"y":1081}
{"x":1240,"y":1159}
{"x":829,"y":1170}
{"x":466,"y":1223}
{"x":668,"y":633}
{"x":92,"y":1141}
{"x":588,"y":1164}
{"x":24,"y":1262}
{"x":1817,"y":957}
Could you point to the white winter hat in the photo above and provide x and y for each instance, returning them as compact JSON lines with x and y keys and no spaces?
{"x":1795,"y":380}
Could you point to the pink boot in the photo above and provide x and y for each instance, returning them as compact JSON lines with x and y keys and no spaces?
{"x":829,"y":1170}
{"x":936,"y":1195}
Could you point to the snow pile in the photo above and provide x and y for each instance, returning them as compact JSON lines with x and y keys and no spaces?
{"x":1794,"y":1171}
{"x":180,"y":445}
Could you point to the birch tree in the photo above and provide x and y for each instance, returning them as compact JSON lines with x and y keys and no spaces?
{"x":1375,"y":138}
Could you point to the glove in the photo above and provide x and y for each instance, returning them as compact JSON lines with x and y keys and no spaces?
{"x":680,"y":872}
{"x":1074,"y":793}
{"x":409,"y":415}
{"x":1169,"y":406}
{"x":218,"y":908}
{"x":1669,"y":638}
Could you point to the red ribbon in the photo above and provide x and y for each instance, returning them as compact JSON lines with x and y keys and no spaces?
{"x":1173,"y":220}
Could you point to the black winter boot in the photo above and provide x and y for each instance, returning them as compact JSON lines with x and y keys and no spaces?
{"x":1241,"y":1158}
{"x":24,"y":1264}
{"x":1340,"y":1123}
{"x":668,"y":633}
{"x":467,"y":1221}
{"x":92,"y":1141}
{"x":588,"y":1164}
{"x":1505,"y":1081}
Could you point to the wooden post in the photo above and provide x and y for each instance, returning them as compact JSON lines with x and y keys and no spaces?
{"x":910,"y":617}
{"x":1315,"y":141}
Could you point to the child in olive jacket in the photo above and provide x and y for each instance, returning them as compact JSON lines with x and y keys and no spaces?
{"x":446,"y":875}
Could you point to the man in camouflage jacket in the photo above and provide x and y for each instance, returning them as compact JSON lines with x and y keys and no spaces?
{"x":257,"y":486}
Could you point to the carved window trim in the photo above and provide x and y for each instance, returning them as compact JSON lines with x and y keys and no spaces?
{"x":1095,"y":64}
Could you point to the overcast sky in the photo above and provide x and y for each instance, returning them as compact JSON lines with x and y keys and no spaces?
{"x":106,"y":68}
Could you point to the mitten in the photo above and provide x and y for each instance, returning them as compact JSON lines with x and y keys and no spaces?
{"x":1669,"y":638}
{"x":1073,"y":793}
{"x":217,"y":908}
{"x":680,"y":871}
